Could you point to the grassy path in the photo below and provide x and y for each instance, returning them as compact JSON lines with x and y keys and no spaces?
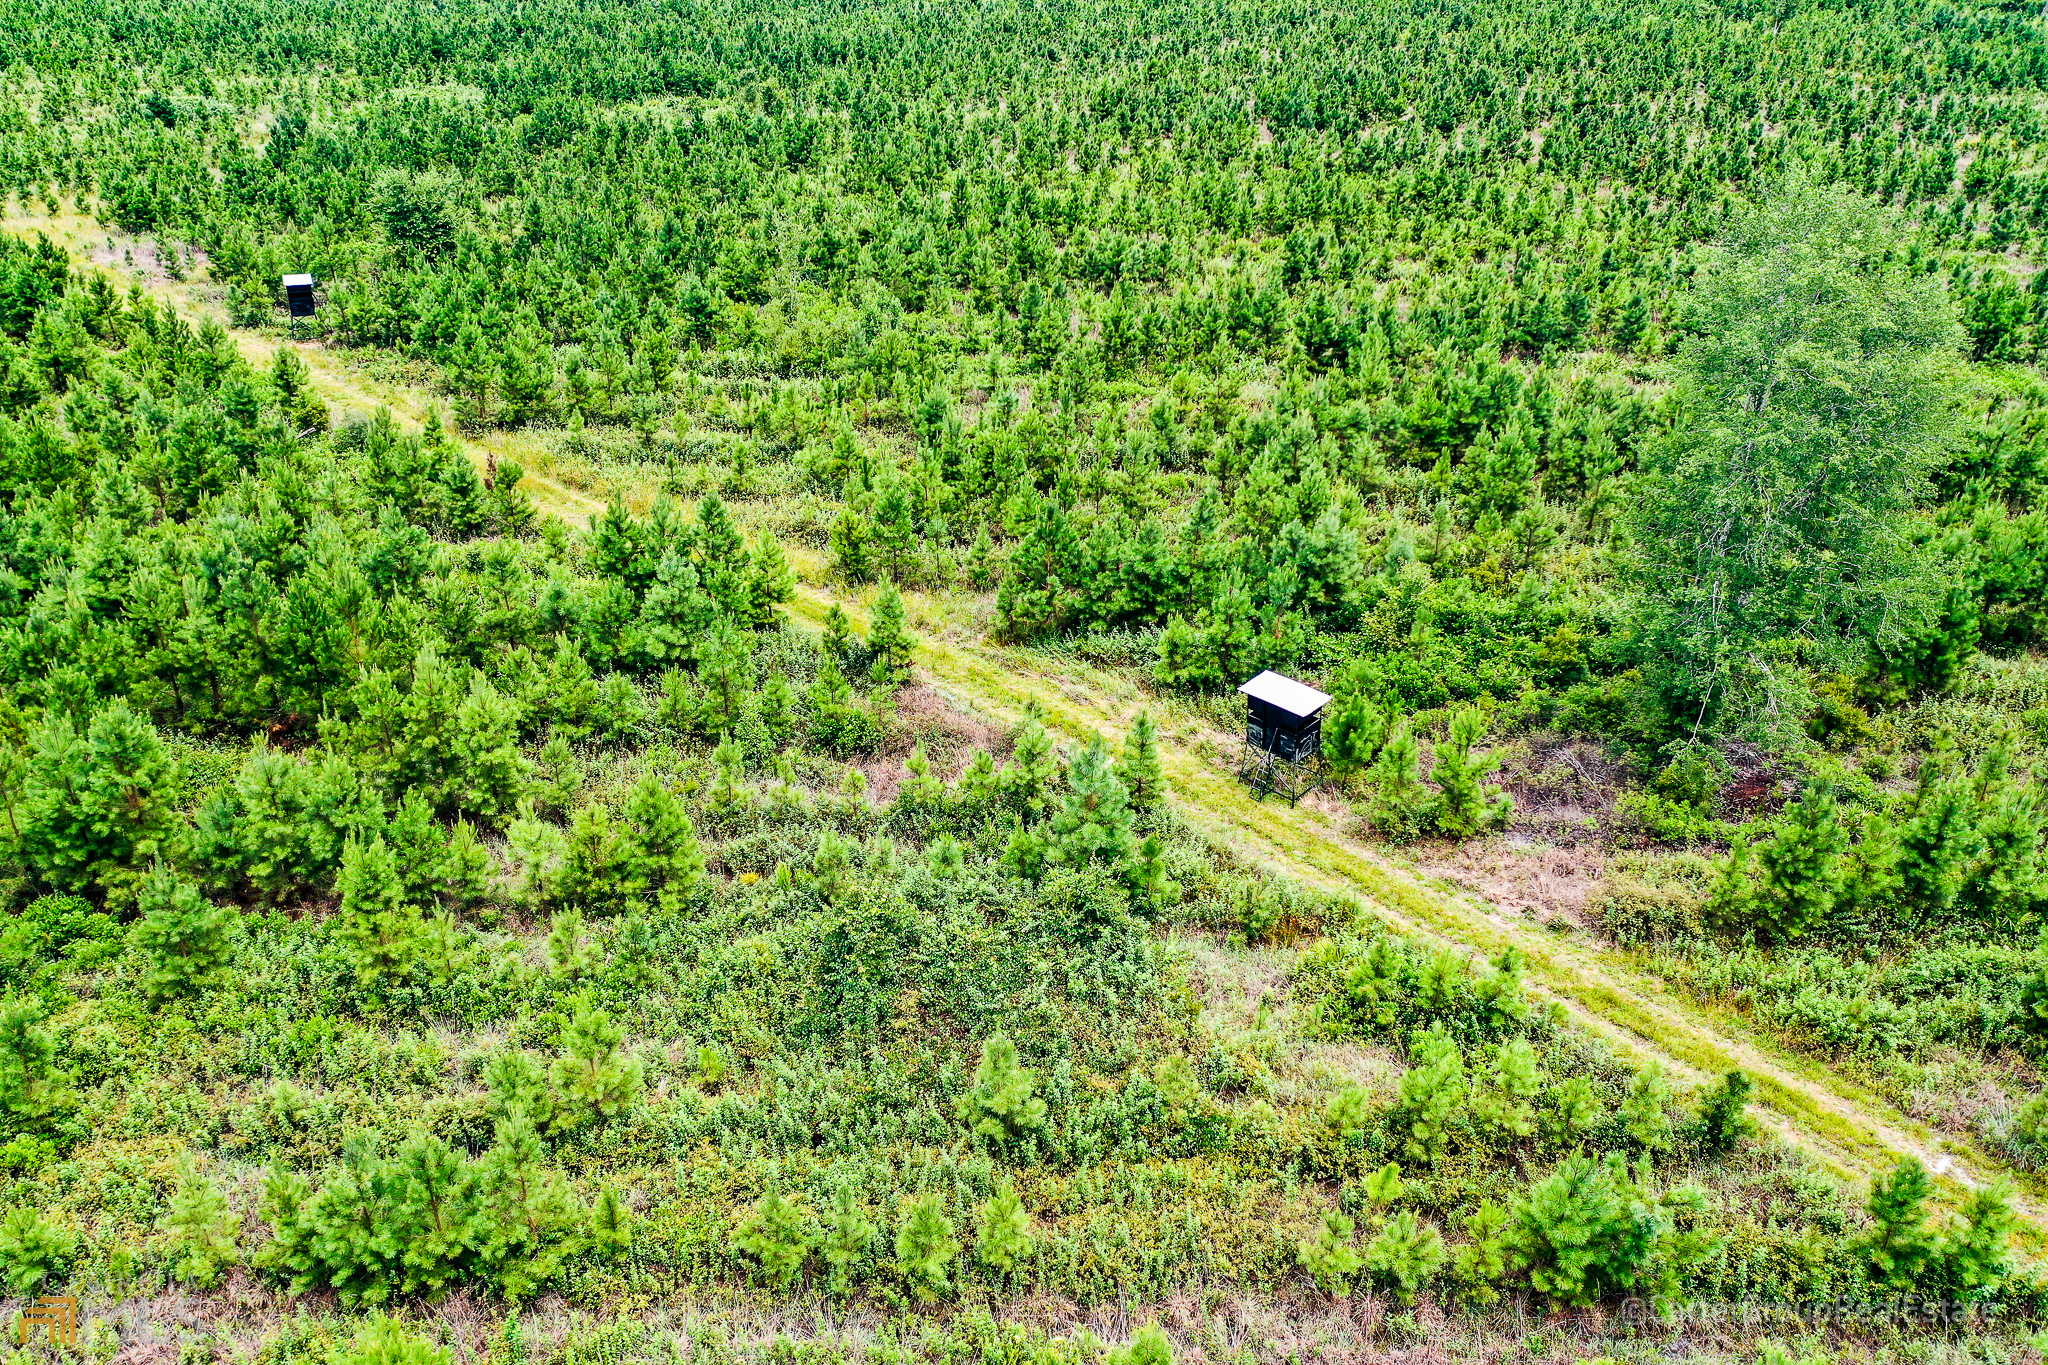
{"x":1845,"y":1126}
{"x":348,"y":392}
{"x":1848,"y":1128}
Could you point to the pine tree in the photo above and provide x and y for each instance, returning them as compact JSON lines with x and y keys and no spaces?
{"x":1400,"y":803}
{"x":1003,"y":1234}
{"x":596,"y":1079}
{"x":1479,"y":1265}
{"x":1026,"y":779}
{"x":1900,"y":1242}
{"x":724,"y":564}
{"x":889,"y":641}
{"x":981,"y":567}
{"x":850,"y":540}
{"x":849,"y":1232}
{"x":34,"y":1250}
{"x":837,"y":640}
{"x":1432,"y":1093}
{"x":1093,"y":824}
{"x":1799,"y":867}
{"x":662,"y":853}
{"x":1500,"y":1000}
{"x":775,"y":1235}
{"x":978,"y":782}
{"x":1978,"y":1256}
{"x":611,"y":1224}
{"x":777,"y":705}
{"x":1721,"y":1122}
{"x":946,"y":858}
{"x":1353,"y":735}
{"x":674,"y":616}
{"x":1027,"y":854}
{"x":201,"y":1228}
{"x":922,"y":789}
{"x":1938,"y":841}
{"x":1505,"y":1106}
{"x":1583,"y":1231}
{"x":1405,"y":1255}
{"x":95,"y":803}
{"x":1349,"y":1113}
{"x":1140,"y":769}
{"x":925,"y":1248}
{"x":187,"y":940}
{"x":1646,"y":1111}
{"x":1002,"y":1106}
{"x":1329,"y":1255}
{"x":1467,"y":805}
{"x":568,"y":956}
{"x":770,"y":582}
{"x":380,"y":928}
{"x":1574,"y":1109}
{"x":1186,"y":661}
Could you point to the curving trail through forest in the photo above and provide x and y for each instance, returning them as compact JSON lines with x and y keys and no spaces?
{"x":1840,"y":1123}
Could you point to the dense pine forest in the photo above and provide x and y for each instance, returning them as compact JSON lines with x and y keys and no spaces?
{"x":697,"y":826}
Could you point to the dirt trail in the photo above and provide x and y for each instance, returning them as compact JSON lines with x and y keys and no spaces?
{"x":1846,"y":1127}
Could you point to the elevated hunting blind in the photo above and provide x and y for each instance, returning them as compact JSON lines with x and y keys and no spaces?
{"x":1283,"y":735}
{"x":298,"y":295}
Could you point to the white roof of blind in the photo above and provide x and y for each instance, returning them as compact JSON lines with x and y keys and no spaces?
{"x":1276,"y":689}
{"x":291,"y":280}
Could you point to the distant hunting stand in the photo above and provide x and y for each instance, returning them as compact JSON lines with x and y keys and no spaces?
{"x":1283,"y":736}
{"x":298,"y":298}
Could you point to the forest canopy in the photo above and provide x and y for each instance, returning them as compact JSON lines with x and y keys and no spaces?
{"x":652,"y":772}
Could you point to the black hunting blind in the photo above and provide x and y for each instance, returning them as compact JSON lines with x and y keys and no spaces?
{"x":1283,"y":735}
{"x":298,"y":297}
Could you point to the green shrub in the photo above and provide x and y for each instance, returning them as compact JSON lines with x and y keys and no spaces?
{"x":385,"y":1341}
{"x":35,"y":1251}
